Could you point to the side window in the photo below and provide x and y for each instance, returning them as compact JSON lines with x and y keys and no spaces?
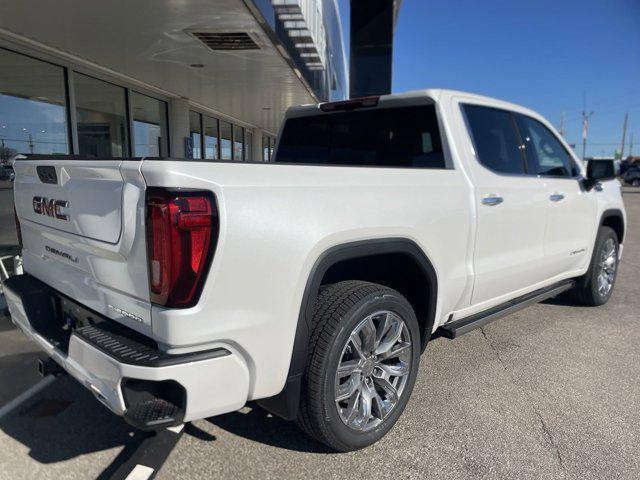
{"x":495,"y":139}
{"x":545,"y":153}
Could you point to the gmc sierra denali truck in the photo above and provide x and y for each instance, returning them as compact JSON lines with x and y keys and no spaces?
{"x":181,"y":289}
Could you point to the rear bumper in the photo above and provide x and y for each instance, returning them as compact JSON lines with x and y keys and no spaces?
{"x":107,"y":361}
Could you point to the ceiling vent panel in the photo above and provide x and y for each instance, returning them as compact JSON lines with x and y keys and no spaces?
{"x":218,"y":41}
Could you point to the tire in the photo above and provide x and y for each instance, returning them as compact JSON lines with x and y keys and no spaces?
{"x":339,"y":311}
{"x":590,"y":289}
{"x":635,"y":182}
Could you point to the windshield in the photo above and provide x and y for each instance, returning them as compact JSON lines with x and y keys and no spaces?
{"x":382,"y":137}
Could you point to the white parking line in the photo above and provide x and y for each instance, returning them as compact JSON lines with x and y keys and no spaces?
{"x":31,"y":391}
{"x":140,"y":472}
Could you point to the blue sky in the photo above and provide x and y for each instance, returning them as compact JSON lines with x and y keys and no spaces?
{"x":539,"y":53}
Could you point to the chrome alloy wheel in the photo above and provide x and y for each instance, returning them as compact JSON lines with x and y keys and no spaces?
{"x":608,"y":264}
{"x":373,"y":370}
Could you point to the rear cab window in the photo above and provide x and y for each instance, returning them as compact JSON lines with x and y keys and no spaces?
{"x":377,"y":137}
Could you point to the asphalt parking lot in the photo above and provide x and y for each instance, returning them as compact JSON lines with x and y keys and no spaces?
{"x":550,"y":392}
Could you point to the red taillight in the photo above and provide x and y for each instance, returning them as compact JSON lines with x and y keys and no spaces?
{"x":18,"y":232}
{"x":181,"y":236}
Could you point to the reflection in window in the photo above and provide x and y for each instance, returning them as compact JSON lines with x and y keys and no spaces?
{"x":210,"y":138}
{"x":225,"y":140}
{"x":248,"y":145}
{"x":545,"y":153}
{"x":494,"y":135}
{"x":195,"y":129}
{"x":33,"y":117}
{"x":265,"y":148}
{"x":238,"y":142}
{"x":390,"y":137}
{"x":272,"y":146}
{"x":149,"y":126}
{"x":102,"y":119}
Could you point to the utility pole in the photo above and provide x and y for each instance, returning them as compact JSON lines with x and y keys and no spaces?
{"x":624,"y":134}
{"x":562,"y":130}
{"x":631,"y":145}
{"x":585,"y":125}
{"x":585,"y":128}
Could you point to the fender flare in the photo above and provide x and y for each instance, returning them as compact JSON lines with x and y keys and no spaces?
{"x":285,"y":404}
{"x":614,"y":213}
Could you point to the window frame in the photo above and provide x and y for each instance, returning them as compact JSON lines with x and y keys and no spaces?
{"x":248,"y":146}
{"x":203,"y":112}
{"x":127,"y":142}
{"x":70,"y":67}
{"x":234,"y":140}
{"x":514,"y":118}
{"x":516,"y":130}
{"x":163,"y":128}
{"x":204,"y":116}
{"x":200,"y":132}
{"x":449,"y":163}
{"x":571,"y":159}
{"x":69,"y":104}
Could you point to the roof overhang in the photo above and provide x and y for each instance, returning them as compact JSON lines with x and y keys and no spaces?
{"x":151,"y":43}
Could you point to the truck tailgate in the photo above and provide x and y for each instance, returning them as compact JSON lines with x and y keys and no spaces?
{"x":82,"y":224}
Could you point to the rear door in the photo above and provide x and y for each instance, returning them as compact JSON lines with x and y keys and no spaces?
{"x":572,"y":210}
{"x":511,"y":207}
{"x":82,"y":224}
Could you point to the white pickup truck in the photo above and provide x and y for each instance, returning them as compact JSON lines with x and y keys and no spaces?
{"x":181,"y":289}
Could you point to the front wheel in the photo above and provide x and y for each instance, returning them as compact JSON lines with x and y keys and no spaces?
{"x":362,"y":366}
{"x":596,"y":287}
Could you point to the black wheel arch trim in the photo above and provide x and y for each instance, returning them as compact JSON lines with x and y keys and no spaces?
{"x":614,"y":213}
{"x":285,"y":404}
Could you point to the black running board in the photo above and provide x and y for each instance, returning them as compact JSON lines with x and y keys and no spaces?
{"x":456,"y":328}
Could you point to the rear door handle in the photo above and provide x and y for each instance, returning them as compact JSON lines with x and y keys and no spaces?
{"x":556,"y":197}
{"x":492,"y":200}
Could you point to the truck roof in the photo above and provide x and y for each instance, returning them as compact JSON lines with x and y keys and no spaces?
{"x":436,"y":94}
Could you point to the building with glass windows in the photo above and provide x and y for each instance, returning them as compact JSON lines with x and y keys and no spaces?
{"x":206,"y":79}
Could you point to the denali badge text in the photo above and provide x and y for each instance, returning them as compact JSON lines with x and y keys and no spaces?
{"x":50,"y":207}
{"x":60,"y":253}
{"x":124,"y":313}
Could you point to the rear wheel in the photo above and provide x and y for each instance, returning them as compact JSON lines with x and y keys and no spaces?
{"x":596,"y":287}
{"x":363,"y":360}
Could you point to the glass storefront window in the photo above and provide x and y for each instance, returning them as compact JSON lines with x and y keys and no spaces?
{"x":195,"y":129}
{"x":149,"y":126}
{"x":102,"y":119}
{"x":248,"y":145}
{"x":211,"y":138}
{"x":272,"y":145}
{"x":265,"y":148}
{"x":33,"y":114}
{"x":238,"y":142}
{"x":225,"y":140}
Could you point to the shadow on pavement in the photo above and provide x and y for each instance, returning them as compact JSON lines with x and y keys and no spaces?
{"x":260,"y":426}
{"x":76,"y":424}
{"x":562,"y":300}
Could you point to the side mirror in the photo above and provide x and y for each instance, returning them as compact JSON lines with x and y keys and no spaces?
{"x":599,"y":171}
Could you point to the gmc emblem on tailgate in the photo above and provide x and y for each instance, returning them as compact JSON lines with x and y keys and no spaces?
{"x":50,"y":207}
